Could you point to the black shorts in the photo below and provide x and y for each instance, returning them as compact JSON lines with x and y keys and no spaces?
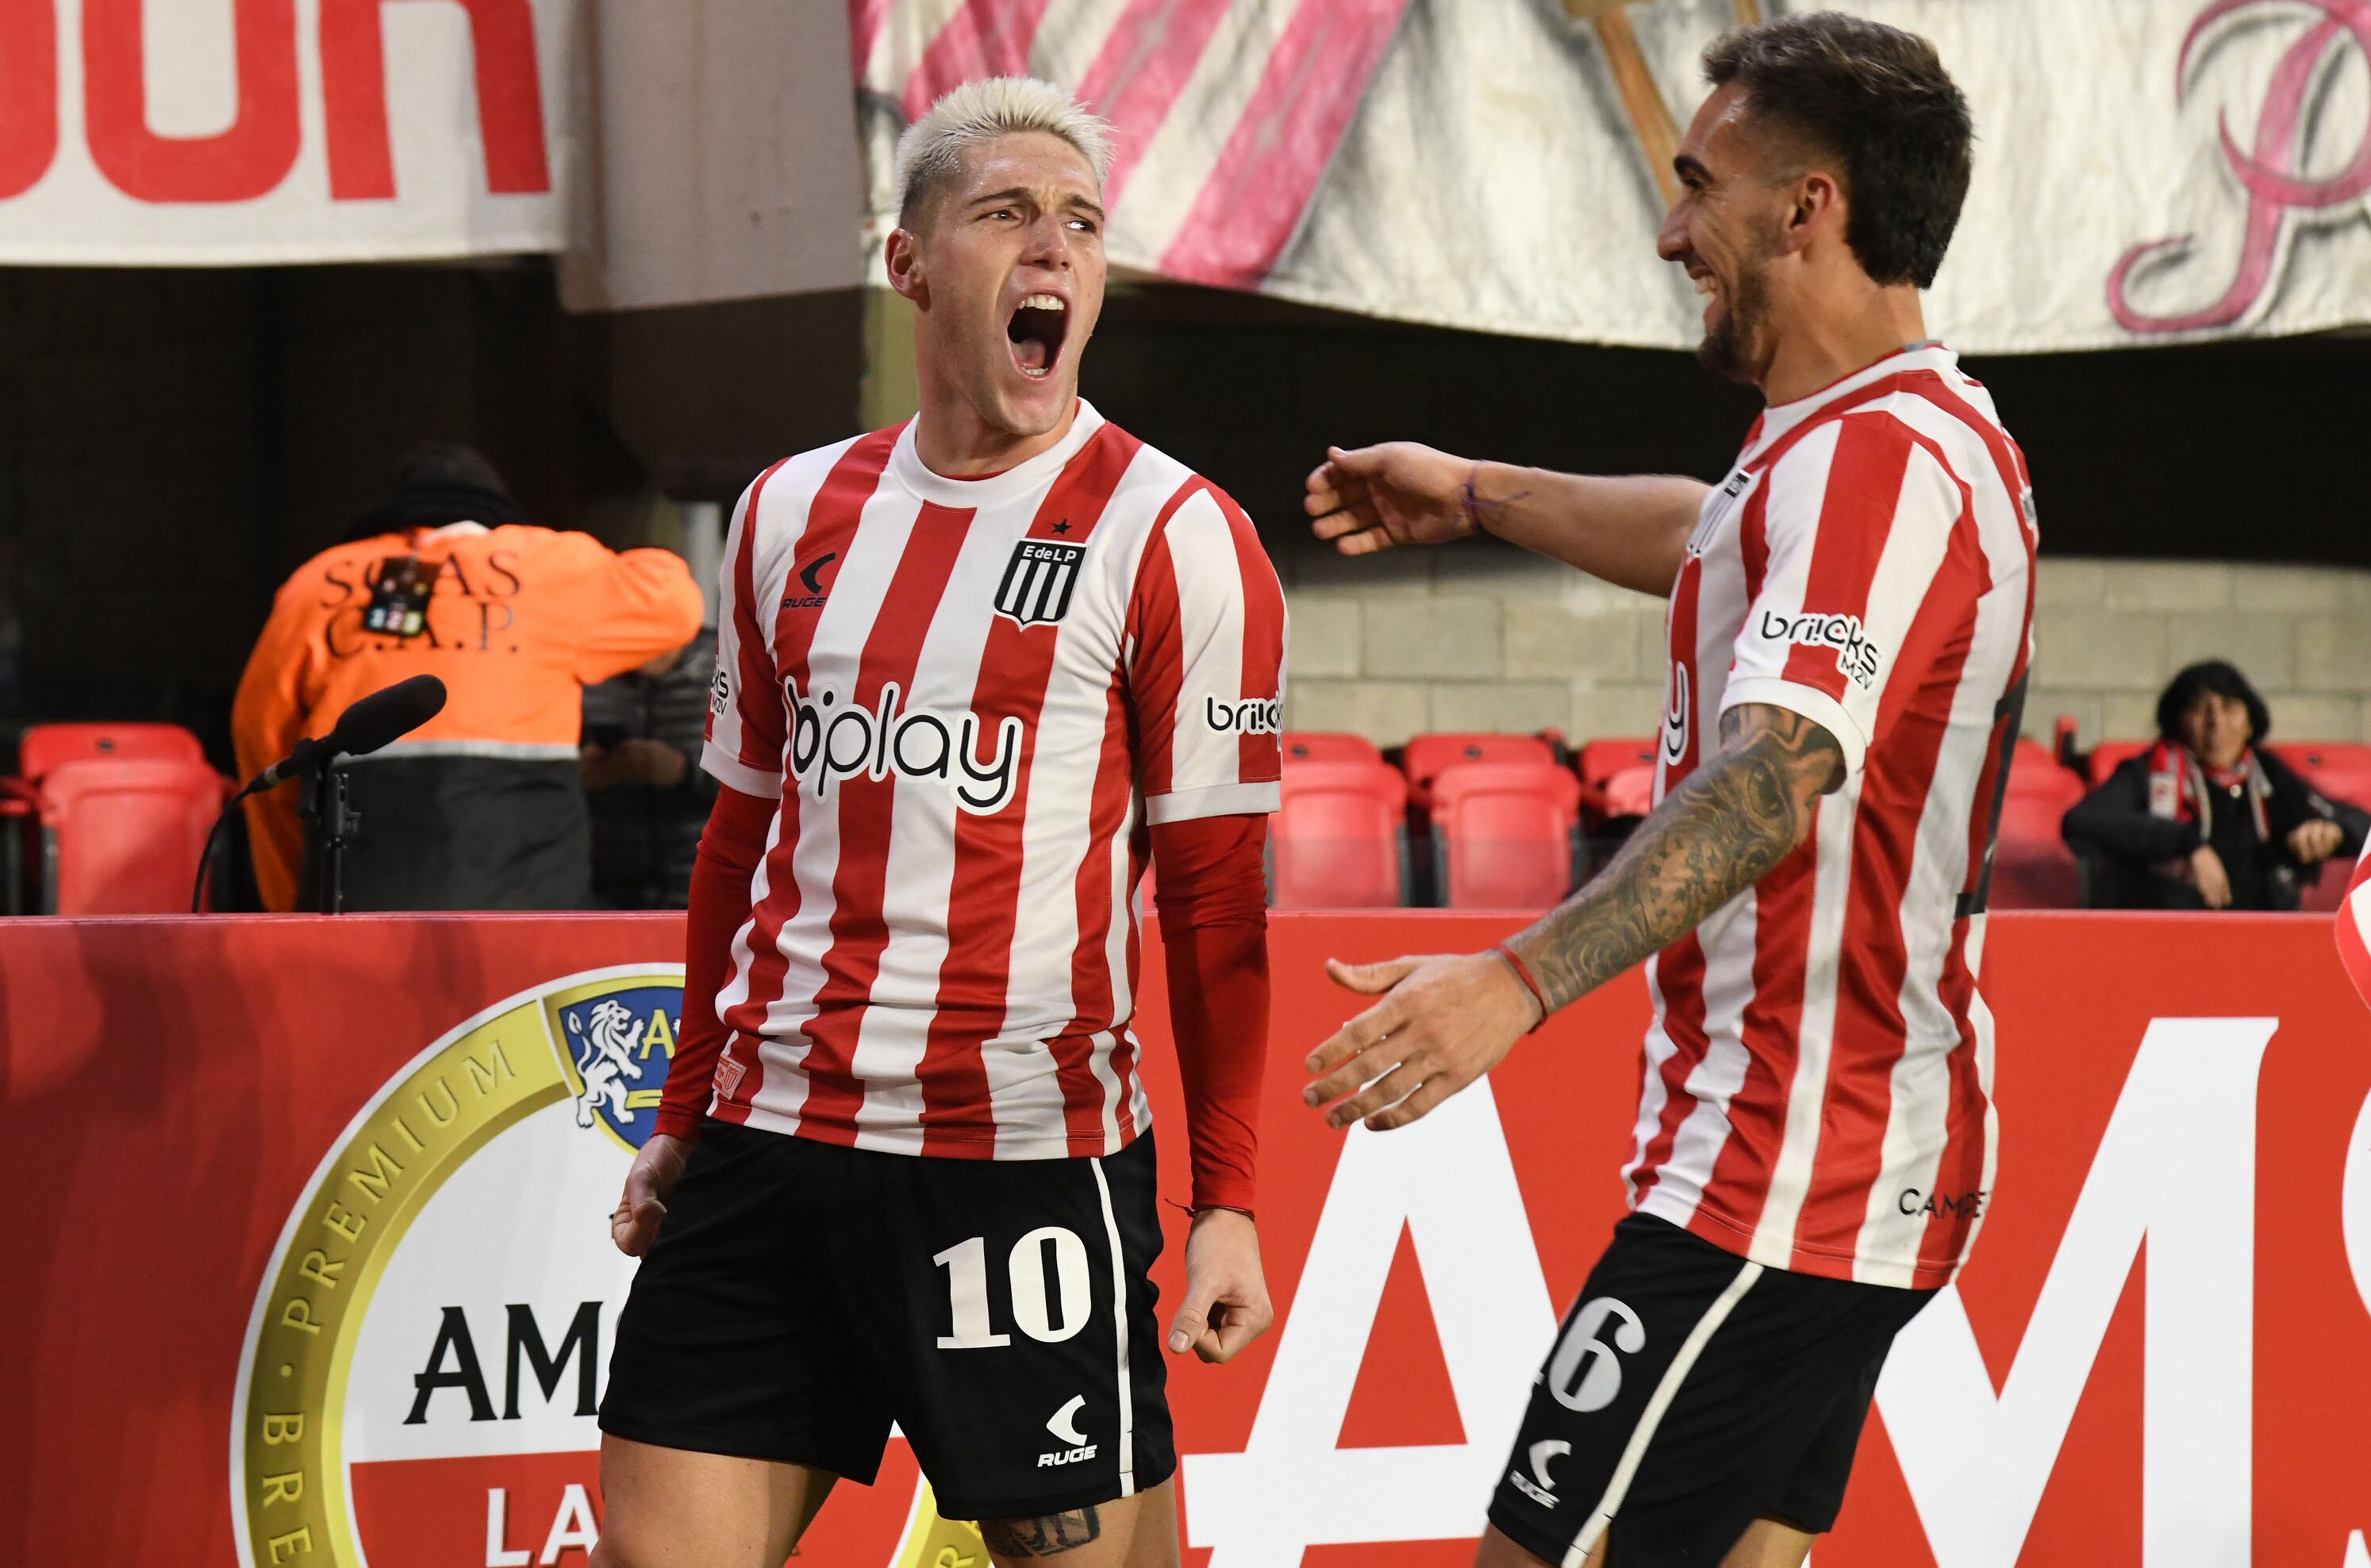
{"x":1691,"y":1393}
{"x":801,"y":1297}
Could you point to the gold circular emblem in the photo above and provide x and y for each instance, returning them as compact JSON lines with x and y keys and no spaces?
{"x":421,"y":1363}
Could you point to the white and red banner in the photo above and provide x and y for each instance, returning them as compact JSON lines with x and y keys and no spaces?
{"x":2147,"y":170}
{"x":311,"y":1263}
{"x":148,"y":132}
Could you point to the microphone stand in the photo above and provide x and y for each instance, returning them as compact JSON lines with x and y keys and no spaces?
{"x":335,"y":824}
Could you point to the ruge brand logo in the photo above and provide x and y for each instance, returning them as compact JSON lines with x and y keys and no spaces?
{"x":1252,"y":716}
{"x":827,"y":745}
{"x":811,"y":579}
{"x":1856,"y":655}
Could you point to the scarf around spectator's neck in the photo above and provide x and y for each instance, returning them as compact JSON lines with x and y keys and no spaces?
{"x":2182,"y":788}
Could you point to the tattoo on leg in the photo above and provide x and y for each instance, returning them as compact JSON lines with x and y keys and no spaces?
{"x":1045,"y":1536}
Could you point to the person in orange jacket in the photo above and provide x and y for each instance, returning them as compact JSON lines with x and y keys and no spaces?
{"x":484,"y":806}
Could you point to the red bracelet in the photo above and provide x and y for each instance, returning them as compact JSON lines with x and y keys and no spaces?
{"x":1523,"y":973}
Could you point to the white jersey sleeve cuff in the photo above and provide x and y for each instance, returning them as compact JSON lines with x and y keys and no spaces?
{"x":726,"y":768}
{"x":1215,"y":799}
{"x":1812,"y":703}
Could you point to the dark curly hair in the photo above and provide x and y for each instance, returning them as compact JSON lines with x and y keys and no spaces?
{"x":1877,"y":100}
{"x":2223,"y":678}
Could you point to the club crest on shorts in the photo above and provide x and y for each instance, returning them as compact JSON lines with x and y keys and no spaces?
{"x":1037,"y":581}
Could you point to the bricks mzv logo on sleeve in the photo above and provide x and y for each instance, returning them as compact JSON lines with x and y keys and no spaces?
{"x":424,"y":1362}
{"x":1856,"y":655}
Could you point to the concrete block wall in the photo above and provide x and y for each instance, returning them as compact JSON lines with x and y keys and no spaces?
{"x":1479,"y":635}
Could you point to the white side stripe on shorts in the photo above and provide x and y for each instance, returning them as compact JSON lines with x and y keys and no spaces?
{"x":1635,"y":1452}
{"x":1119,"y":1323}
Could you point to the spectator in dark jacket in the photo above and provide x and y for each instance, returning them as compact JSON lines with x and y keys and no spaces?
{"x":642,"y":736}
{"x":2207,"y":818}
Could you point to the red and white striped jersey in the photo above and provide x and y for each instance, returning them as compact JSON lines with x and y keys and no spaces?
{"x":1818,"y":1079}
{"x":973,"y":697}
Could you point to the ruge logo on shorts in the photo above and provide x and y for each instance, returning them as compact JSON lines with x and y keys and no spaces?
{"x":830,"y":741}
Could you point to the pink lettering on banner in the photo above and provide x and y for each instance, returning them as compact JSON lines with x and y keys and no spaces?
{"x":2276,"y":189}
{"x":245,"y":161}
{"x":29,"y":93}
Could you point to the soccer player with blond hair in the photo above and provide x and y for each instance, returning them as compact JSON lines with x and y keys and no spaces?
{"x":975,"y":672}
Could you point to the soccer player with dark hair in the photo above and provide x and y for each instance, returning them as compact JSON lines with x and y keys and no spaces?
{"x":973,"y":672}
{"x":1850,"y":630}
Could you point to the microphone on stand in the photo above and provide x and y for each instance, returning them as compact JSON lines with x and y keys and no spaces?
{"x":383,"y":716}
{"x":374,"y":721}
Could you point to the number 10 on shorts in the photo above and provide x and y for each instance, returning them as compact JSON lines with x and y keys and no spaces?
{"x":1048,"y":1316}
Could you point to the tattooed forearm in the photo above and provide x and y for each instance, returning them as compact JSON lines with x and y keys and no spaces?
{"x":1719,"y":833}
{"x":1045,"y":1536}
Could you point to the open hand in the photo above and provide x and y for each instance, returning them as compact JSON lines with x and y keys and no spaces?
{"x":1399,"y":493}
{"x":1226,"y":1304}
{"x":634,"y":1224}
{"x":1444,"y":1020}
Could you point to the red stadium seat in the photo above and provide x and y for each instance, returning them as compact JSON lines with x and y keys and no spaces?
{"x":2336,"y":768}
{"x":1426,"y":755}
{"x":2108,"y":756}
{"x":45,"y":747}
{"x":1340,"y":840}
{"x":2033,"y":868}
{"x":122,"y":836}
{"x":2342,"y":771}
{"x":1600,"y":760}
{"x":1506,"y":835}
{"x":2323,"y":888}
{"x":1316,"y":746}
{"x":1617,"y":780}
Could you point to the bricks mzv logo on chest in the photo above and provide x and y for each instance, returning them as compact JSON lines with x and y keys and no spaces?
{"x":1038,"y":580}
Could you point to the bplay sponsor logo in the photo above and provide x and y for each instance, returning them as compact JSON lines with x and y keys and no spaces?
{"x":1252,"y":716}
{"x":1856,"y":655}
{"x":831,"y":740}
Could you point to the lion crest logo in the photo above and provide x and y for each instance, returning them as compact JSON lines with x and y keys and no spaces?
{"x":618,"y":1042}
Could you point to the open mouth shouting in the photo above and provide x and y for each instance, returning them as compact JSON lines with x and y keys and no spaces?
{"x":1037,"y":329}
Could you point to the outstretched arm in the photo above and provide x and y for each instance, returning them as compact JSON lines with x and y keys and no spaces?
{"x":1722,"y":831}
{"x":1445,"y":1021}
{"x":1631,"y":530}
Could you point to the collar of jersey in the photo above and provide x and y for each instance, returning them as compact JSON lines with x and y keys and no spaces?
{"x":1780,"y":418}
{"x":907,"y":468}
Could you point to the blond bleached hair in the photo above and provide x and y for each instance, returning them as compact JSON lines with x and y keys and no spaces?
{"x":930,"y":151}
